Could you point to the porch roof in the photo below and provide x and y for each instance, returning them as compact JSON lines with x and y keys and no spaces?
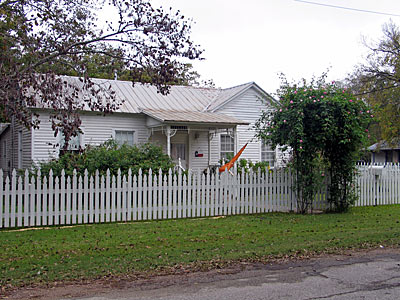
{"x":384,"y":145}
{"x":192,"y":117}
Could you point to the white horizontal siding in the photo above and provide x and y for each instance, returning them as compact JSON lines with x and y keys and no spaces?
{"x":215,"y":150}
{"x":253,"y":150}
{"x":199,"y":143}
{"x":96,"y":130}
{"x":99,"y":128}
{"x":246,"y":107}
{"x":159,"y":139}
{"x":26,"y":146}
{"x":5,"y":154}
{"x":10,"y":136}
{"x":43,"y":140}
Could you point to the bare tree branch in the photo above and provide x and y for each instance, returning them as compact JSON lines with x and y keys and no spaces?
{"x":42,"y":39}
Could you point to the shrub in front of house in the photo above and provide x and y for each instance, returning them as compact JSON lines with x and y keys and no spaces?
{"x":108,"y":156}
{"x":247,"y":166}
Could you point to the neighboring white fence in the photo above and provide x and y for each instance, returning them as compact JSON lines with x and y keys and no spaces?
{"x":26,"y":201}
{"x":378,"y":184}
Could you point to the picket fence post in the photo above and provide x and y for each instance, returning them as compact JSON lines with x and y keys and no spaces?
{"x":93,"y":198}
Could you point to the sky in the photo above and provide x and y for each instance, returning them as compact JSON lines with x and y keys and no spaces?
{"x":255,"y":40}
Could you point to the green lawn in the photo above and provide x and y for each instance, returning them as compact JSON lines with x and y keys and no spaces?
{"x":93,"y":251}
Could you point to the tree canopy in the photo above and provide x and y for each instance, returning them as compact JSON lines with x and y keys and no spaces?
{"x":377,"y":81}
{"x":42,"y":39}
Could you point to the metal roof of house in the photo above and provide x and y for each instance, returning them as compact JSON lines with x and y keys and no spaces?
{"x":183,"y":98}
{"x":383,"y":145}
{"x":177,"y":116}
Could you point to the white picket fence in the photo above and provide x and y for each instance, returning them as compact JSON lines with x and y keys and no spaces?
{"x":378,"y":184}
{"x":26,"y":201}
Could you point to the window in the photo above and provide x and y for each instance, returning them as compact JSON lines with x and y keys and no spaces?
{"x":74,"y":144}
{"x":227,"y":147}
{"x":178,"y":151}
{"x":267,"y":154}
{"x":388,"y":156}
{"x":124,"y":137}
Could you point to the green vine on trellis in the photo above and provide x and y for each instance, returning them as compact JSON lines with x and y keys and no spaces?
{"x":325,"y":128}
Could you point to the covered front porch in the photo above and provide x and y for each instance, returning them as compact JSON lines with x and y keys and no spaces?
{"x":191,"y":139}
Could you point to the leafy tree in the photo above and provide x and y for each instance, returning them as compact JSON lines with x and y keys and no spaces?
{"x":108,"y":156}
{"x":41,"y":39}
{"x":377,"y":82}
{"x":325,"y":128}
{"x":99,"y":65}
{"x":186,"y":76}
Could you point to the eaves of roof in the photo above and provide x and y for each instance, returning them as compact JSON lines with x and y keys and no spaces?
{"x":383,"y":145}
{"x":190,"y":117}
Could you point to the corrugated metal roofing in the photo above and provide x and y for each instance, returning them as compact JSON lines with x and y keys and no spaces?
{"x":146,"y":96}
{"x":185,"y":98}
{"x":192,"y":117}
{"x":383,"y":145}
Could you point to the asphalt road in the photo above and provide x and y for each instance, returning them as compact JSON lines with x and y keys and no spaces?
{"x":362,"y":275}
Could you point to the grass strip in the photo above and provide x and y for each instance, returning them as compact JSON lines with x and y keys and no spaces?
{"x":88,"y":252}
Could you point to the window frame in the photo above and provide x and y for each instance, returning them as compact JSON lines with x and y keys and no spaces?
{"x":267,"y":149}
{"x":60,"y":143}
{"x":134,"y":139}
{"x":225,"y":151}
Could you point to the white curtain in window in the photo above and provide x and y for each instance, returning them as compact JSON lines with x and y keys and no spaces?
{"x":267,"y":154}
{"x":124,"y":137}
{"x":227,"y":146}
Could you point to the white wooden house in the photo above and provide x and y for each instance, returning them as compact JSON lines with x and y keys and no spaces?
{"x":384,"y":153}
{"x":199,"y":126}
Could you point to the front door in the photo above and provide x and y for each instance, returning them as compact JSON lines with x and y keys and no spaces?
{"x":178,"y":151}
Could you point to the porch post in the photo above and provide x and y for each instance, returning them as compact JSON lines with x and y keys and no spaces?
{"x":236,"y":140}
{"x":209,"y":148}
{"x":169,"y":140}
